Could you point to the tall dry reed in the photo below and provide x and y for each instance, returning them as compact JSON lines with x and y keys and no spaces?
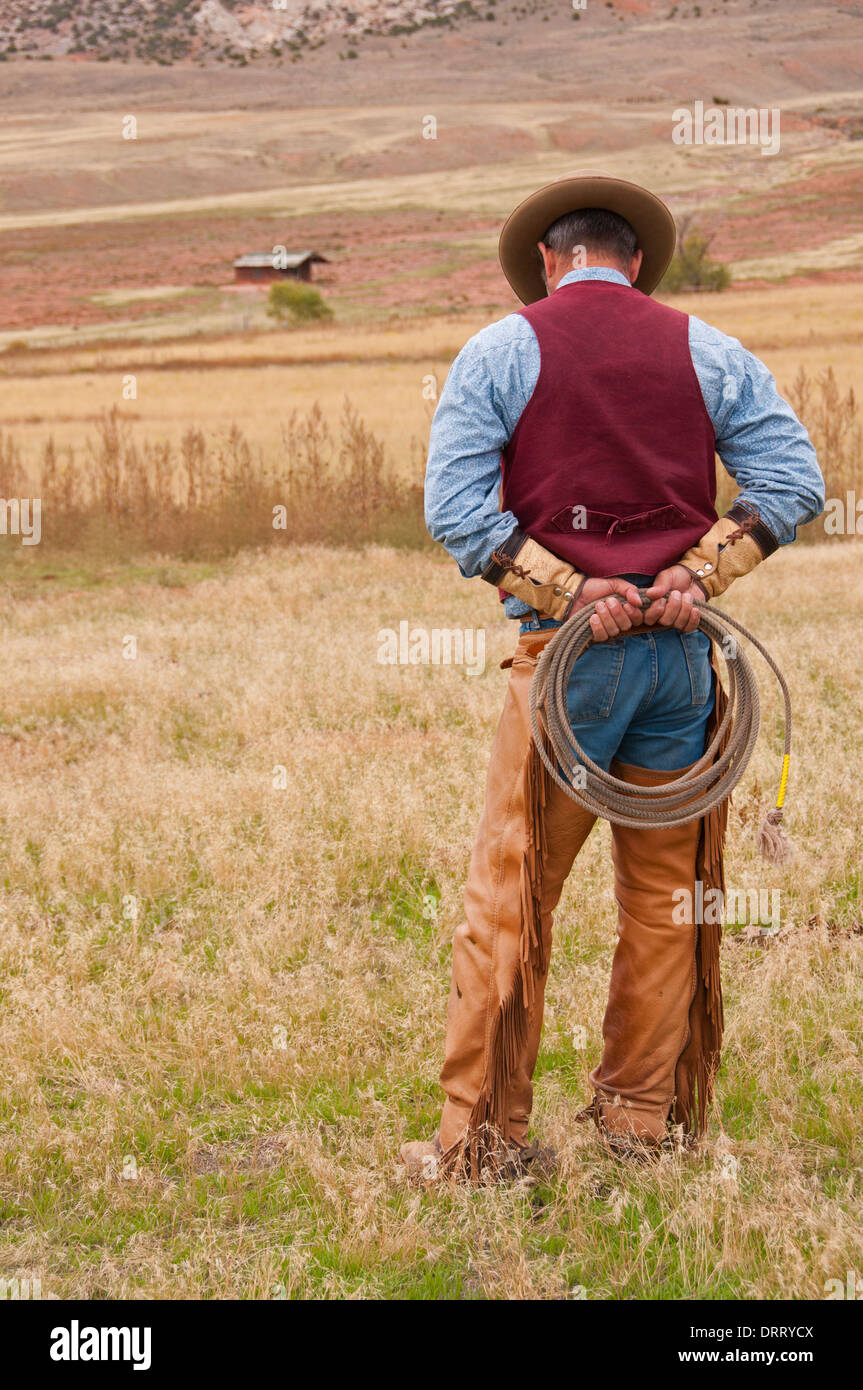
{"x":214,"y":495}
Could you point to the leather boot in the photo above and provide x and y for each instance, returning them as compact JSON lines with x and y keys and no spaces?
{"x":422,"y":1159}
{"x":653,"y":975}
{"x":484,"y":1055}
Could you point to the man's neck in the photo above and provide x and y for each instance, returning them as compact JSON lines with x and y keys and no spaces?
{"x":610,"y":273}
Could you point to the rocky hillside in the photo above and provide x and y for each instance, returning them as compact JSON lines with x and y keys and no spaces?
{"x":168,"y":31}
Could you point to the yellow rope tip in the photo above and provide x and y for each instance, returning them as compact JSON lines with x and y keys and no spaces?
{"x":783,"y":783}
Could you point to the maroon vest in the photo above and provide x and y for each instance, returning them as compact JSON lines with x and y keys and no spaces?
{"x":611,"y":465}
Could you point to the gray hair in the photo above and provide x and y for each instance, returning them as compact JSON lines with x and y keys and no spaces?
{"x":597,"y":230}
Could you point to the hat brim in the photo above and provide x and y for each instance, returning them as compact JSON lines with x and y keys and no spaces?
{"x":649,"y":217}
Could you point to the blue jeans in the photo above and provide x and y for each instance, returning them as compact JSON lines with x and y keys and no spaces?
{"x":643,"y":699}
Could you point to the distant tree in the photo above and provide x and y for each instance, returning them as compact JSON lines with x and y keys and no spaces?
{"x":296,"y":302}
{"x":692,"y":267}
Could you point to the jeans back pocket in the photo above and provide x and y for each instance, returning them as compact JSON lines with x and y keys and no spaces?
{"x":696,"y":649}
{"x":594,"y":680}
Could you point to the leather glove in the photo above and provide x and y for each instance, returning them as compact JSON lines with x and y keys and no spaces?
{"x":733,"y":546}
{"x":521,"y":566}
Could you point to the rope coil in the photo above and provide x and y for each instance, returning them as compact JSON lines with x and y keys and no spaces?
{"x":706,"y":784}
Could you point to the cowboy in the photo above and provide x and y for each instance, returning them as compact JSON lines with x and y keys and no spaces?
{"x":572,"y":461}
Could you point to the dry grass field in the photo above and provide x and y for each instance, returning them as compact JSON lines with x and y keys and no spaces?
{"x":233,"y":842}
{"x":223,"y":997}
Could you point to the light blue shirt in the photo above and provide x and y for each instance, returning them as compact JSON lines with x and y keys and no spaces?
{"x":759,"y":439}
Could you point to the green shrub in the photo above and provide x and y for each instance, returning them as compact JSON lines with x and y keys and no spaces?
{"x":299,"y":303}
{"x":692,"y":268}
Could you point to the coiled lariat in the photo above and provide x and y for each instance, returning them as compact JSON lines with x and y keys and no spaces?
{"x":709,"y":782}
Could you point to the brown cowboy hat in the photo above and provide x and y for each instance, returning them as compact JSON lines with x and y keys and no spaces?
{"x":648,"y":216}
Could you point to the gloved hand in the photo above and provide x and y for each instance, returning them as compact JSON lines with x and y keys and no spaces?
{"x":618,"y":606}
{"x":676,"y":594}
{"x":523,"y":567}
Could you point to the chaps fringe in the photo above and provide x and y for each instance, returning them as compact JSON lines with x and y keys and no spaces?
{"x":698,"y":1064}
{"x":482,"y":1148}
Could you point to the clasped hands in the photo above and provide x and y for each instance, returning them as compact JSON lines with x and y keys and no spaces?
{"x":675,"y":595}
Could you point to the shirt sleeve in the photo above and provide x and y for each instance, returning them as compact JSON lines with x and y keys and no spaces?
{"x":759,"y":439}
{"x":488,"y":386}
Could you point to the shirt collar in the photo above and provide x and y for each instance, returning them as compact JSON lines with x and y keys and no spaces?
{"x":595,"y":272}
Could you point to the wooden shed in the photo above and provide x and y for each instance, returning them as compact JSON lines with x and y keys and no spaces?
{"x":262,"y":267}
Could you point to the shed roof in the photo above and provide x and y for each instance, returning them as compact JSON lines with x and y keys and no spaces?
{"x":271,"y":261}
